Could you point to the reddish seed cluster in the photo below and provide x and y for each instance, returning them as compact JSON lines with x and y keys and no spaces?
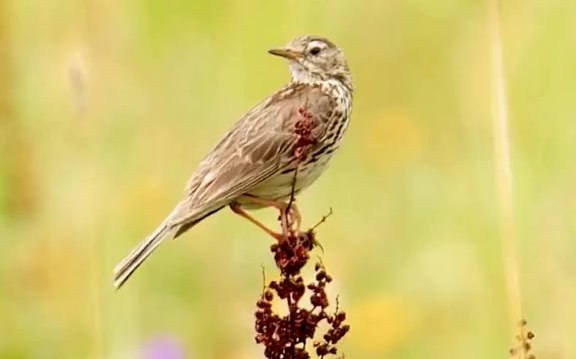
{"x":285,"y":337}
{"x":291,"y":254}
{"x":303,"y":129}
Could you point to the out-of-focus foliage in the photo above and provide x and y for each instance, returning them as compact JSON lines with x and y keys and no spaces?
{"x":106,"y":107}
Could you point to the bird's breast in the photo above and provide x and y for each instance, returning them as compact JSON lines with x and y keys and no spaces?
{"x":280,"y":186}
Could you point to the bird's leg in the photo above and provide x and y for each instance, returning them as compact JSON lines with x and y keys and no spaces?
{"x":289,"y":213}
{"x":235,"y":207}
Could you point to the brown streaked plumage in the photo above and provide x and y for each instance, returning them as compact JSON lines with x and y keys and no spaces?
{"x":255,"y":163}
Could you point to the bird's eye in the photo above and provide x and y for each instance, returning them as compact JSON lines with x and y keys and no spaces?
{"x":315,"y":51}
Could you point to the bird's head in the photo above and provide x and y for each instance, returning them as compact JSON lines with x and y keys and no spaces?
{"x":314,"y":58}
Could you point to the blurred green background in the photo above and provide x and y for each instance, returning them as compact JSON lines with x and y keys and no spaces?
{"x":106,"y":107}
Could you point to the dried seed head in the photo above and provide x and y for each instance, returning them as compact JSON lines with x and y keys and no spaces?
{"x":285,"y":337}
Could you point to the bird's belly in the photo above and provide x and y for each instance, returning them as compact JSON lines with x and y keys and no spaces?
{"x":279,"y":187}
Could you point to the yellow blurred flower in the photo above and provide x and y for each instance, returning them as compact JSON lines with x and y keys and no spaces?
{"x":392,"y":138}
{"x":379,"y":324}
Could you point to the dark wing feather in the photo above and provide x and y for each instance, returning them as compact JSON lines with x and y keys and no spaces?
{"x":259,"y":146}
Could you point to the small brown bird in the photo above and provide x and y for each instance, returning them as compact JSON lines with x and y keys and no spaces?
{"x":274,"y":151}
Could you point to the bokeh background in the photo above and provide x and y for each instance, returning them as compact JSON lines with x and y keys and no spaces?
{"x":106,"y":107}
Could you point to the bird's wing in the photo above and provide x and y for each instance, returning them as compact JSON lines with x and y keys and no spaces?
{"x":258,"y":146}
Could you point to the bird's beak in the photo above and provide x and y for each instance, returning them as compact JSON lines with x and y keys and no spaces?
{"x":286,"y":53}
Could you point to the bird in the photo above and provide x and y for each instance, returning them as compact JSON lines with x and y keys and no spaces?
{"x":273,"y":152}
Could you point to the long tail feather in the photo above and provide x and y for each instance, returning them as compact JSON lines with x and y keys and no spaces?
{"x":128,"y":265}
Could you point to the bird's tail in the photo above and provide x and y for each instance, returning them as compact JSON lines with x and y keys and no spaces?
{"x":128,"y":265}
{"x":168,"y":229}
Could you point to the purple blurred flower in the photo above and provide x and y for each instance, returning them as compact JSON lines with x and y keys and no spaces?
{"x":162,"y":347}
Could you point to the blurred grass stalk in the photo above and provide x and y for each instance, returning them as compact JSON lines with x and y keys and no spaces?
{"x":504,"y":176}
{"x":16,"y":195}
